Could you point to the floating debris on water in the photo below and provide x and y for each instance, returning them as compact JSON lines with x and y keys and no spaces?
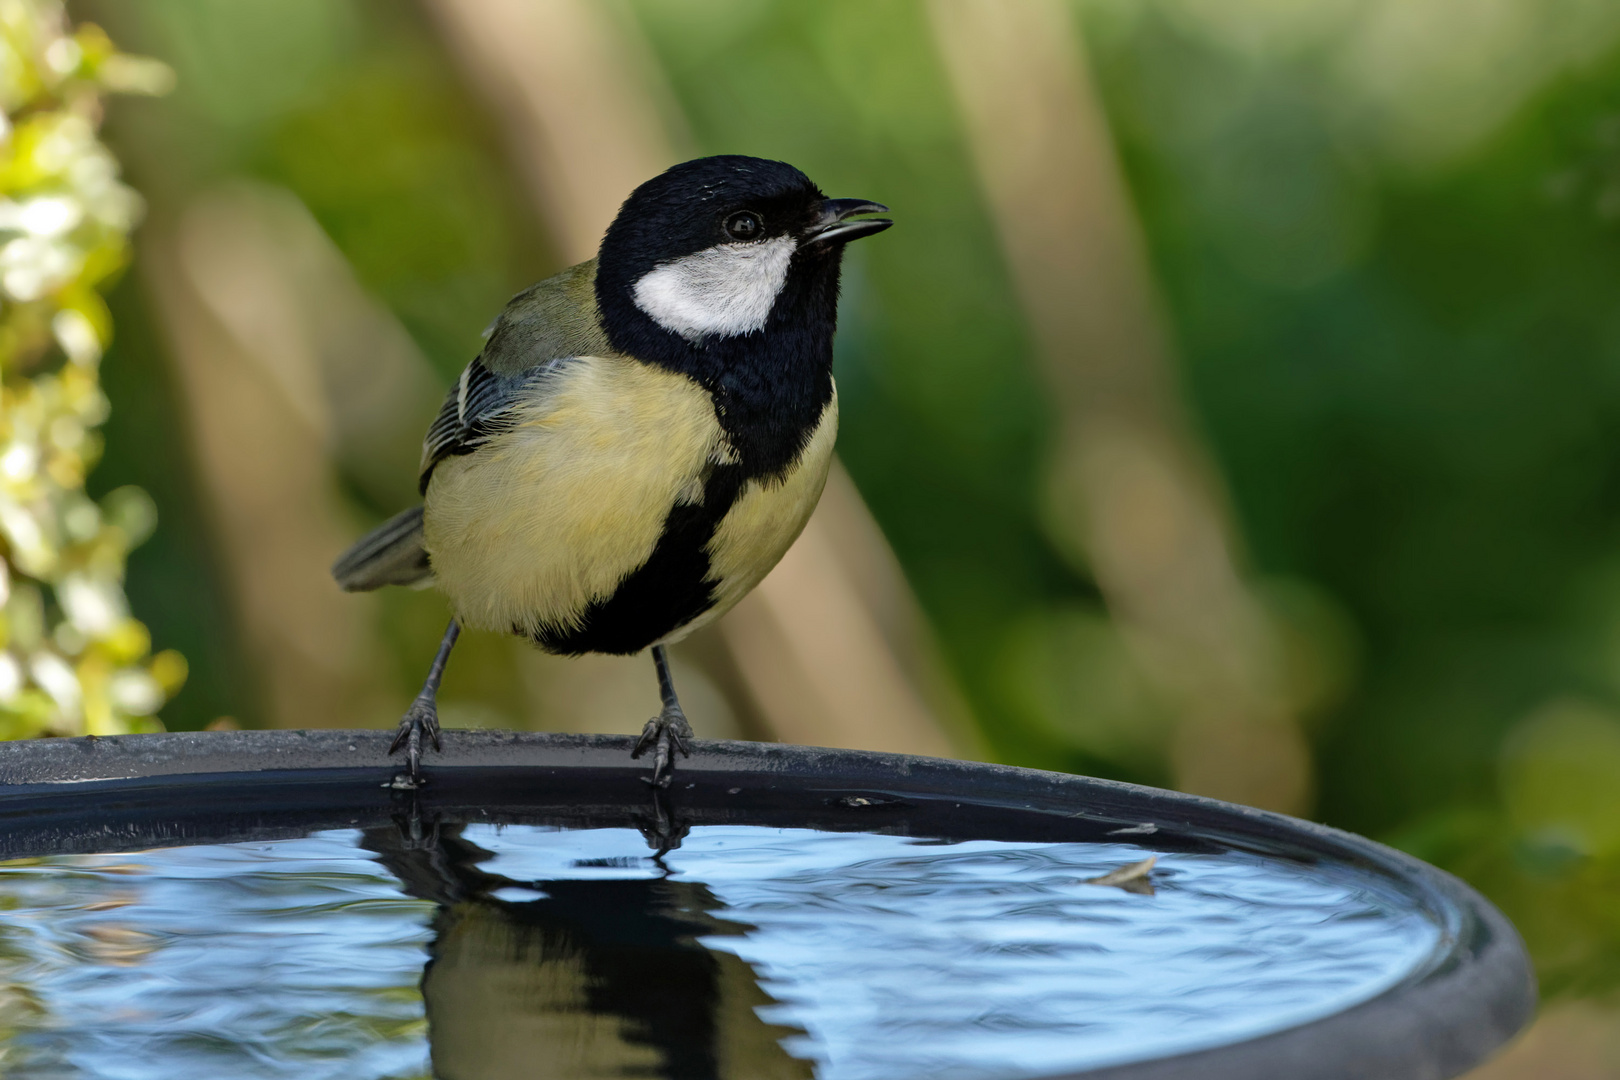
{"x":1133,"y":878}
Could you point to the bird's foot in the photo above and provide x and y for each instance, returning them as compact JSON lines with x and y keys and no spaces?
{"x":664,"y":734}
{"x":421,"y":721}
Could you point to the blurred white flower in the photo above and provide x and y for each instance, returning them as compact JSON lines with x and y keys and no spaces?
{"x":135,"y":692}
{"x":76,"y":336}
{"x":50,"y":215}
{"x":30,"y":266}
{"x":63,"y":56}
{"x":30,"y":551}
{"x":19,"y":461}
{"x":11,"y":677}
{"x":93,"y":607}
{"x":53,"y":675}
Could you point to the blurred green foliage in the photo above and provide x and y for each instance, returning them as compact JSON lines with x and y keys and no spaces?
{"x":1399,"y":329}
{"x":1390,"y":251}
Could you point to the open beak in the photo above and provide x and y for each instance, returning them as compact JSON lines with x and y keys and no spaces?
{"x":838,"y":223}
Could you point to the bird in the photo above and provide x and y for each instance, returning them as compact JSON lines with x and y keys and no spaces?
{"x":641,"y":437}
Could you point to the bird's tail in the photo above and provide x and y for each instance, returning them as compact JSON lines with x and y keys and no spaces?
{"x":390,"y":554}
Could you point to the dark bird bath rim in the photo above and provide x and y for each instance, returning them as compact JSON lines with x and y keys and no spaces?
{"x":1472,"y":994}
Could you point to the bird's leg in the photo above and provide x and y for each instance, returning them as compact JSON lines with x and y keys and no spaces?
{"x":422,"y":718}
{"x":668,"y":731}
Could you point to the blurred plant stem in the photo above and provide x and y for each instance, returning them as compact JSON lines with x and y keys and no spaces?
{"x":1131,"y":491}
{"x":578,"y":96}
{"x":74,"y":660}
{"x":268,"y":328}
{"x":807,"y":653}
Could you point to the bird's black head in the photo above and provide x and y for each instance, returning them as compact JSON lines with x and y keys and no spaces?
{"x":712,"y":248}
{"x":726,"y":269}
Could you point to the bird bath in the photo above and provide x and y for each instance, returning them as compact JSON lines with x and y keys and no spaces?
{"x":267,"y":904}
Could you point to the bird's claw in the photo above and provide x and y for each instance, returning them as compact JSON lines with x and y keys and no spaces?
{"x":421,"y":718}
{"x":664,"y":735}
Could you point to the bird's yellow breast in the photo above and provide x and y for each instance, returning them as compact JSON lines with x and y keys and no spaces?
{"x":553,"y":513}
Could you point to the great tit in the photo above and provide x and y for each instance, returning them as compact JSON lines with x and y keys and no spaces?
{"x":642,"y":436}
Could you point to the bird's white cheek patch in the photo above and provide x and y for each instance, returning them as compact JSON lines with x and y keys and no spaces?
{"x":726,"y":290}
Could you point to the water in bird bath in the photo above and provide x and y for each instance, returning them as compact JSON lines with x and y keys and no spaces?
{"x":488,"y":952}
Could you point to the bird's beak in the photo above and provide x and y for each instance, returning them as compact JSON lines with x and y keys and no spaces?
{"x":835,"y":227}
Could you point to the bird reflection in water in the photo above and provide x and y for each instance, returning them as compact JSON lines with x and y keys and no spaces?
{"x":589,"y":978}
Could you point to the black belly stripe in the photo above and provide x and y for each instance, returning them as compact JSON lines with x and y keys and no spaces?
{"x":667,"y":591}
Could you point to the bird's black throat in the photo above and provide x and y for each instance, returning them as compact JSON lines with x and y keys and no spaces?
{"x":769,"y":387}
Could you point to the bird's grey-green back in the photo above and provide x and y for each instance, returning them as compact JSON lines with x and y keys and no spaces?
{"x":553,"y":320}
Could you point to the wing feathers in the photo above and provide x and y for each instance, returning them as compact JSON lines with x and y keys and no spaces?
{"x":474,"y":411}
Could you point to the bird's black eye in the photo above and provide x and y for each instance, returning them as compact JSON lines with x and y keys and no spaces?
{"x":745,"y":225}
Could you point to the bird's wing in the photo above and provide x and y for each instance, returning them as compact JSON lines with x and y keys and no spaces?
{"x":544,"y":326}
